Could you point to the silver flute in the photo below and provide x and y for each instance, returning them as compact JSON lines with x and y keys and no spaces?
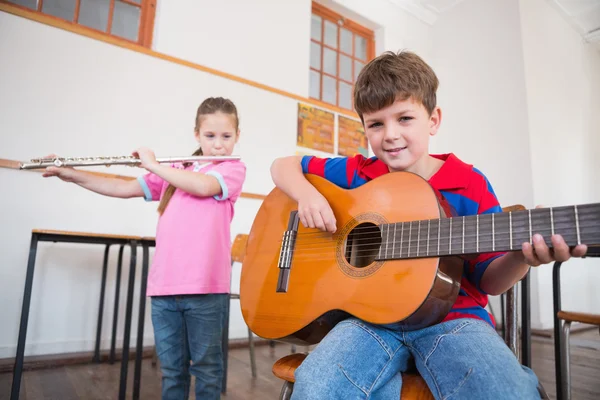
{"x":38,"y":163}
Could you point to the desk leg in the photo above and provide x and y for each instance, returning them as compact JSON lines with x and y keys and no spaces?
{"x":141,"y":318}
{"x":101,"y":306}
{"x":125,"y":358}
{"x":113,"y":340}
{"x":18,"y":367}
{"x":525,"y":322}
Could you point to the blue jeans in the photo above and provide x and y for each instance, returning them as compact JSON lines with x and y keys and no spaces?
{"x":188,"y":336}
{"x":459,"y":359}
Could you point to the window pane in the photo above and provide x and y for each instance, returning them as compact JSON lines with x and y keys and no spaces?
{"x":361,"y":47}
{"x":331,"y":34}
{"x":346,"y":41}
{"x":345,"y":68}
{"x":357,"y":67}
{"x":330,"y":61}
{"x":94,"y":14}
{"x":329,"y":90}
{"x":64,"y":9}
{"x":345,"y":95}
{"x":315,"y":55}
{"x":315,"y":84}
{"x":315,"y":27}
{"x":25,"y":3}
{"x":126,"y":21}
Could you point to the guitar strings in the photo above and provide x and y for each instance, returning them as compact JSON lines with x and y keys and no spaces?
{"x":503,"y":219}
{"x":377,"y":234}
{"x":413,"y":245}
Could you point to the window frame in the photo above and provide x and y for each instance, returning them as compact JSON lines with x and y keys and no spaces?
{"x":328,"y":15}
{"x":146,"y":21}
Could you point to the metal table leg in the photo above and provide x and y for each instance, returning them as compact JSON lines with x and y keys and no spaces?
{"x":113,"y":341}
{"x":127,"y":332}
{"x":18,"y":367}
{"x":96,"y":357}
{"x":137,"y":376}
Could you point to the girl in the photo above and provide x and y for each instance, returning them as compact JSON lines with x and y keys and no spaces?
{"x":190,"y":276}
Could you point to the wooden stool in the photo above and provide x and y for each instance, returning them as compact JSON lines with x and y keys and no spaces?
{"x":413,"y":385}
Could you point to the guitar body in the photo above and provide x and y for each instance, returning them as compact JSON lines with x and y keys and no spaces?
{"x":332,"y":276}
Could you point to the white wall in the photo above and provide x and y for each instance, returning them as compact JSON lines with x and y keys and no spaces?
{"x":70,"y":95}
{"x":261,"y":40}
{"x":563,"y":97}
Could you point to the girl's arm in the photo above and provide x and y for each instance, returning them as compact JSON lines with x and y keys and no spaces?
{"x":201,"y":185}
{"x":113,"y":187}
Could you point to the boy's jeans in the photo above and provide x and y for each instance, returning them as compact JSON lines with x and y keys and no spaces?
{"x":189,"y":328}
{"x":459,"y":359}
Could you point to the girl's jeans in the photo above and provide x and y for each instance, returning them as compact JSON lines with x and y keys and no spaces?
{"x":187,"y":332}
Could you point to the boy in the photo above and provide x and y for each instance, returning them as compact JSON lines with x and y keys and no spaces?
{"x":463,"y":356}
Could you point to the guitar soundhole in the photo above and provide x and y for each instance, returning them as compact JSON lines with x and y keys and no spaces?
{"x":362,"y":245}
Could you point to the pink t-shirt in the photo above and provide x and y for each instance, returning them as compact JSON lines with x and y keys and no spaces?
{"x":193,"y":240}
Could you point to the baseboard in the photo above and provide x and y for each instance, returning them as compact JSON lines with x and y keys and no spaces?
{"x":64,"y":359}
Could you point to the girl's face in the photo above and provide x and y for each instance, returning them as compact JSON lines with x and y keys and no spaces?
{"x":217,"y":134}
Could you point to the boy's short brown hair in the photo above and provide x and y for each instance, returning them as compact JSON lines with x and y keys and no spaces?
{"x":393,"y":76}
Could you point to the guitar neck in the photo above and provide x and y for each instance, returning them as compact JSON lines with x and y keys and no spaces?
{"x":485,"y":233}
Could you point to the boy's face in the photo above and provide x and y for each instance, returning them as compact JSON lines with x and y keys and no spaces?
{"x":399,"y":135}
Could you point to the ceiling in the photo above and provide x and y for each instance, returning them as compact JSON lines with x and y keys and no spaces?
{"x":583,"y":15}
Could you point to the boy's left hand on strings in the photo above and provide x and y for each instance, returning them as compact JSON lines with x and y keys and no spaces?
{"x":538,"y":253}
{"x":147,"y":157}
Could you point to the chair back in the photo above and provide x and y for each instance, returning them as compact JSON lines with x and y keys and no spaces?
{"x":238,"y":249}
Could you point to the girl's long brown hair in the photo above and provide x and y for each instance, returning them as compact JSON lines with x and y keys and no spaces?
{"x":209,"y":106}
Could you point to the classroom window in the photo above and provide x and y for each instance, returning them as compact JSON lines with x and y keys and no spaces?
{"x":339,"y":48}
{"x":131,"y":20}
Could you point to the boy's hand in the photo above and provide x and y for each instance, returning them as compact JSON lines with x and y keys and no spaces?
{"x":539,"y":253}
{"x":147,"y":157}
{"x":315,"y":212}
{"x":67,"y":174}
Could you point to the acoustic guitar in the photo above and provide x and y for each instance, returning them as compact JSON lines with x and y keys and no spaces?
{"x":397,"y":256}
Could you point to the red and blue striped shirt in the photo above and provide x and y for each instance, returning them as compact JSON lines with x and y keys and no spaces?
{"x":466,"y":190}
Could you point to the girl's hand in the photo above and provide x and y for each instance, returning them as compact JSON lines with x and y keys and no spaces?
{"x":67,"y":174}
{"x":147,"y":157}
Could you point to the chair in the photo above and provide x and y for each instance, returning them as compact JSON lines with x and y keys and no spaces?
{"x":414,"y":386}
{"x":238,"y":251}
{"x":562,"y":329}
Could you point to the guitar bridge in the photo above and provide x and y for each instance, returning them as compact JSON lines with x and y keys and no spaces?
{"x":287,"y":252}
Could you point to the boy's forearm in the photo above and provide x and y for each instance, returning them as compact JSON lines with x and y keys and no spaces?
{"x":200,"y":185}
{"x":288,"y":176}
{"x":503,"y":273}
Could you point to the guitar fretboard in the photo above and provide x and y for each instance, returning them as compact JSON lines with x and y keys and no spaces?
{"x":486,"y":233}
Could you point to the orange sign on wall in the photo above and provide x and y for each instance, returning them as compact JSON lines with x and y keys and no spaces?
{"x":315,"y":128}
{"x":352,"y":138}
